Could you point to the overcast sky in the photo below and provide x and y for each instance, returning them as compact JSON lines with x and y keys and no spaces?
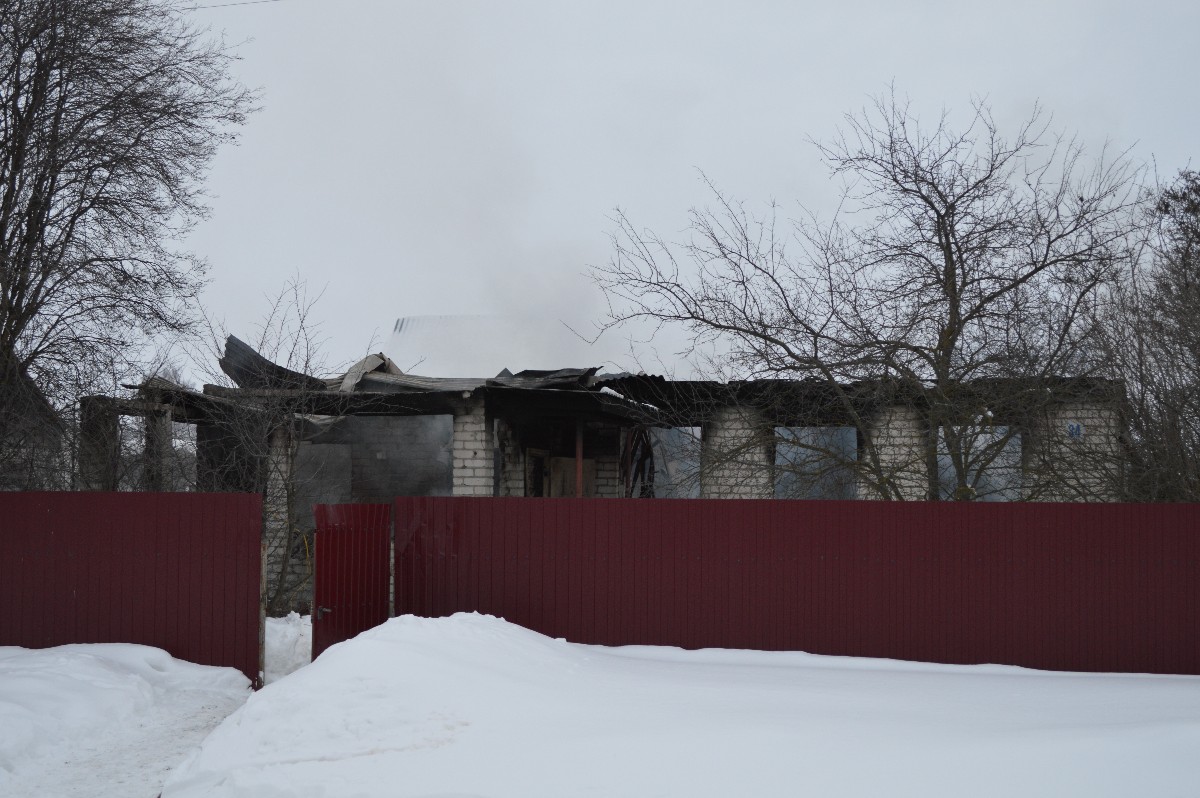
{"x":435,"y":158}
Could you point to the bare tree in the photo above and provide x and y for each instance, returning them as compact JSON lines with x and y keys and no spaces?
{"x":110,"y":112}
{"x":1153,"y":344}
{"x":959,"y":280}
{"x":266,"y":382}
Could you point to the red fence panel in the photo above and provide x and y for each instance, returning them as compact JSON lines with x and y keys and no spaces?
{"x":179,"y":571}
{"x":1097,"y":587}
{"x":352,"y":571}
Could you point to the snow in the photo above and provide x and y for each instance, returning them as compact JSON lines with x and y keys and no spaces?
{"x":288,"y":643}
{"x":113,"y":719}
{"x":474,"y":706}
{"x":104,"y":719}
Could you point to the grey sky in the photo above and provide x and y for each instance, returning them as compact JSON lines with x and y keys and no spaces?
{"x":417,"y":158}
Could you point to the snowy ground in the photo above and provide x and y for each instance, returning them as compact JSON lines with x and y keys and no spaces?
{"x":112,"y":720}
{"x":473,"y":706}
{"x":104,"y":720}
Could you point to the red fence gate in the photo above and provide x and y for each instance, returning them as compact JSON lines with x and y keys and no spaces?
{"x":179,"y":571}
{"x":352,"y":571}
{"x":1098,"y":587}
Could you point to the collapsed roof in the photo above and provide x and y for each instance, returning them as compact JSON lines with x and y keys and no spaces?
{"x":376,"y":386}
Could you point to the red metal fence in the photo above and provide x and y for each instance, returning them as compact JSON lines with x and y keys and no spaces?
{"x":353,"y":571}
{"x":1098,"y":587}
{"x":180,"y":571}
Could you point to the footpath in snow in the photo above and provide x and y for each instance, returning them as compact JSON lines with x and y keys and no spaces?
{"x":104,"y":720}
{"x":111,"y":720}
{"x":474,"y":706}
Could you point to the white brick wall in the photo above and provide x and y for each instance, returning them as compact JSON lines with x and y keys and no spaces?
{"x":737,"y":456}
{"x":608,"y":478}
{"x":899,"y":436}
{"x":1073,"y":453}
{"x":276,"y":513}
{"x":278,"y":520}
{"x":472,"y":452}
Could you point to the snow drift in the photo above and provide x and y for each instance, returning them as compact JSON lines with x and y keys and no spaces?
{"x":288,"y":643}
{"x":73,"y":715}
{"x":472,"y":705}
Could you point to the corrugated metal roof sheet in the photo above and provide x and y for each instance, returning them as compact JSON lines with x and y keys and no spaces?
{"x":412,"y":383}
{"x":249,"y":369}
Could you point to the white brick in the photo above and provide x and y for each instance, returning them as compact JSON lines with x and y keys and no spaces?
{"x":737,"y":456}
{"x":898,"y":434}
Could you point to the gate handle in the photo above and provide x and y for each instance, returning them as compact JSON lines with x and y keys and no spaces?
{"x":321,"y":612}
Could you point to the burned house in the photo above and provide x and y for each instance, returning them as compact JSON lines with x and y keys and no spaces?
{"x":371,"y":434}
{"x":1047,"y":439}
{"x":375,"y":432}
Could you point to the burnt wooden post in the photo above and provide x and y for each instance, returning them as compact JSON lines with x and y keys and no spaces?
{"x":579,"y":459}
{"x":157,"y":452}
{"x":99,"y":443}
